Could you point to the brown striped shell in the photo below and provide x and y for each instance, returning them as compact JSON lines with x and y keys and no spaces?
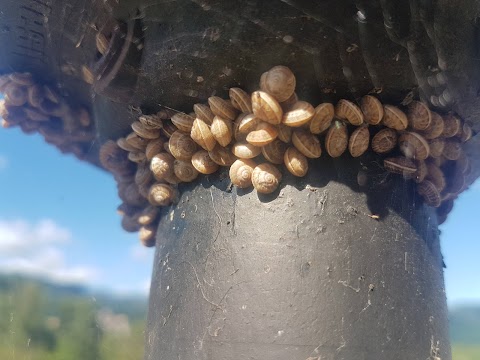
{"x":435,"y":129}
{"x":181,"y":146}
{"x":284,"y":133}
{"x":295,"y":162}
{"x":151,"y":121}
{"x":168,"y":128}
{"x":307,"y":143}
{"x":202,"y":135}
{"x":384,"y":141}
{"x":241,"y":173}
{"x":452,"y":149}
{"x":336,"y":141}
{"x":184,"y":170}
{"x":419,"y":115}
{"x":153,"y":148}
{"x":240,"y":100}
{"x":266,"y":108}
{"x":274,"y":151}
{"x":222,"y":108}
{"x":359,"y":141}
{"x":299,"y":114}
{"x":112,"y":157}
{"x":451,"y":125}
{"x":222,"y":156}
{"x":146,"y":235}
{"x":183,"y":122}
{"x":436,"y":147}
{"x":466,"y":133}
{"x":204,"y":113}
{"x":413,"y":145}
{"x":222,"y":130}
{"x":394,"y":118}
{"x":279,"y":82}
{"x":161,"y":195}
{"x":24,"y":78}
{"x":421,"y":173}
{"x":372,"y":109}
{"x":15,"y":94}
{"x":142,"y":131}
{"x":137,"y":156}
{"x":130,"y":224}
{"x":264,"y":134}
{"x":266,"y":178}
{"x":247,"y":123}
{"x":400,"y":165}
{"x":430,"y":193}
{"x":435,"y":176}
{"x":245,"y":150}
{"x":148,"y":215}
{"x":287,"y":104}
{"x":202,"y":162}
{"x":161,"y":165}
{"x":136,"y":141}
{"x":322,"y":118}
{"x":35,"y":95}
{"x":347,"y":110}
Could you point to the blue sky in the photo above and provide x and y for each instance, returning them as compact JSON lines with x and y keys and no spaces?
{"x":58,"y":218}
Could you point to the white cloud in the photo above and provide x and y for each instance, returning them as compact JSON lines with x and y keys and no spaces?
{"x":3,"y":162}
{"x":34,"y":250}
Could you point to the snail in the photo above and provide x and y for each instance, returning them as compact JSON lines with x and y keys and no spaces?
{"x":181,"y":146}
{"x":266,"y":178}
{"x":273,"y":152}
{"x":299,"y":114}
{"x":419,"y":115}
{"x":429,"y":192}
{"x":336,"y":141}
{"x":241,"y":173}
{"x":19,"y":78}
{"x":413,"y":145}
{"x":245,"y":150}
{"x":184,"y":171}
{"x":112,"y":157}
{"x":168,"y":128}
{"x":35,"y":95}
{"x":436,"y":176}
{"x":125,"y":145}
{"x":240,"y":100}
{"x":400,"y":165}
{"x":183,"y":122}
{"x":222,"y":156}
{"x":146,"y":235}
{"x":421,"y":172}
{"x":384,"y":141}
{"x":222,"y":108}
{"x":129,"y":223}
{"x":435,"y":129}
{"x":279,"y":82}
{"x":436,"y":147}
{"x":15,"y":94}
{"x":452,"y":149}
{"x":284,"y":133}
{"x":151,"y":122}
{"x":202,"y":162}
{"x":143,"y":175}
{"x":136,"y":141}
{"x":153,"y":148}
{"x":247,"y":123}
{"x":287,"y":104}
{"x":203,"y":112}
{"x":161,"y":165}
{"x":322,"y":118}
{"x":346,"y":110}
{"x":264,"y":134}
{"x":451,"y":126}
{"x":202,"y":135}
{"x":136,"y":156}
{"x":394,"y":118}
{"x":372,"y":109}
{"x":266,"y":108}
{"x":222,"y":130}
{"x":465,"y":133}
{"x":295,"y":162}
{"x":359,"y":141}
{"x":148,"y":215}
{"x":161,"y":194}
{"x":307,"y":143}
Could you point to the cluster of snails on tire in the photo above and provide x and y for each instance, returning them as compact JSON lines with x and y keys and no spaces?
{"x":254,"y":134}
{"x":38,"y":108}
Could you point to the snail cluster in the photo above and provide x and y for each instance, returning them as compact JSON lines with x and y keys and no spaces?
{"x":37,"y":108}
{"x":254,"y":135}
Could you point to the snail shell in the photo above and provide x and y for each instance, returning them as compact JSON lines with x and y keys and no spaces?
{"x":266,"y":108}
{"x":130,"y":223}
{"x":146,"y":234}
{"x":161,"y":165}
{"x":35,"y":95}
{"x":465,"y":133}
{"x":266,"y":178}
{"x":274,"y":151}
{"x":222,"y":130}
{"x":394,"y":118}
{"x":204,"y":113}
{"x":240,"y":100}
{"x":421,"y":173}
{"x":372,"y":109}
{"x":245,"y":150}
{"x":336,"y":141}
{"x":24,"y":79}
{"x":183,"y":122}
{"x":452,"y":149}
{"x":435,"y":176}
{"x":151,"y":122}
{"x":295,"y":162}
{"x":168,"y":128}
{"x":287,"y":104}
{"x":430,"y":193}
{"x":153,"y":148}
{"x":132,"y":196}
{"x":359,"y":141}
{"x":148,"y":215}
{"x":4,"y":81}
{"x":384,"y":141}
{"x":241,"y":173}
{"x":451,"y":125}
{"x":322,"y":118}
{"x":413,"y":145}
{"x":184,"y":171}
{"x":202,"y":135}
{"x":172,"y":179}
{"x":463,"y":163}
{"x":400,"y":165}
{"x":299,"y":114}
{"x":279,"y":82}
{"x":436,"y":127}
{"x":222,"y":156}
{"x":136,"y":156}
{"x":15,"y":94}
{"x":136,"y":141}
{"x":307,"y":143}
{"x":346,"y":110}
{"x":35,"y":115}
{"x":247,"y":123}
{"x":456,"y":182}
{"x":222,"y":108}
{"x":140,"y":129}
{"x":181,"y":146}
{"x":237,"y":135}
{"x":112,"y":157}
{"x":284,"y":133}
{"x":145,"y":188}
{"x":125,"y":209}
{"x":161,"y":195}
{"x":264,"y":134}
{"x":419,"y":115}
{"x":202,"y":162}
{"x":436,"y":147}
{"x":125,"y":145}
{"x":143,"y":175}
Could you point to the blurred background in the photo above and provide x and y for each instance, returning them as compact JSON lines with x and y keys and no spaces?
{"x":74,"y":285}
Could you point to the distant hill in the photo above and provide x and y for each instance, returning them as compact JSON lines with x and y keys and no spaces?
{"x":465,"y":325}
